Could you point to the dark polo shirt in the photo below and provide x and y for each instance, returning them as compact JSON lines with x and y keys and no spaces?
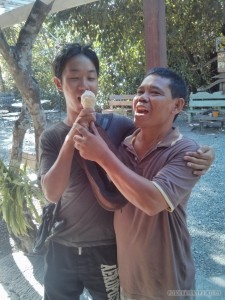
{"x":154,"y":252}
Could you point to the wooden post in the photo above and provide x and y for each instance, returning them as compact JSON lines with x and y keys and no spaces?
{"x":155,"y":33}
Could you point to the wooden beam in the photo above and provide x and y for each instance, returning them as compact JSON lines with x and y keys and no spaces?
{"x":20,"y":13}
{"x":155,"y":33}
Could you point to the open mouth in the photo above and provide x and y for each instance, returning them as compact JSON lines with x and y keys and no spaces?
{"x":79,"y":98}
{"x":140,"y":110}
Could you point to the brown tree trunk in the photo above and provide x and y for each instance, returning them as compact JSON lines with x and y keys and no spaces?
{"x":19,"y":60}
{"x":2,"y":85}
{"x":20,"y":127}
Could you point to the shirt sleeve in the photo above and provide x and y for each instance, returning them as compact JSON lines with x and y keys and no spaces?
{"x":48,"y":152}
{"x":175,"y":180}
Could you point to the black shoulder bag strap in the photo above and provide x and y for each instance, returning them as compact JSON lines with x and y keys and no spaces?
{"x":105,"y":191}
{"x":105,"y":120}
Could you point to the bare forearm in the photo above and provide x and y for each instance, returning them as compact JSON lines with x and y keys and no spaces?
{"x":138,"y":190}
{"x":55,"y":181}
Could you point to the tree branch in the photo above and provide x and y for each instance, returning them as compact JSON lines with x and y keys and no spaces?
{"x":4,"y":46}
{"x":33,"y":25}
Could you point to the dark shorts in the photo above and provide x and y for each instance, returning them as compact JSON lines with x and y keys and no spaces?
{"x":68,"y":270}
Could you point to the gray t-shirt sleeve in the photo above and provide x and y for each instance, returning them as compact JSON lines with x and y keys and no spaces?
{"x":50,"y":143}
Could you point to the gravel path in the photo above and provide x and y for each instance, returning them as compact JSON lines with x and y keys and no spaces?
{"x":206,"y":213}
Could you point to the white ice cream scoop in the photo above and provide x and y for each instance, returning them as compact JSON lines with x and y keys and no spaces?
{"x":88,"y":99}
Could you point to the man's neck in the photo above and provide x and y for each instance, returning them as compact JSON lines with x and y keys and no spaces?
{"x":146,"y":140}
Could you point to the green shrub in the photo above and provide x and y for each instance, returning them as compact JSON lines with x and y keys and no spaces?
{"x":17,"y":193}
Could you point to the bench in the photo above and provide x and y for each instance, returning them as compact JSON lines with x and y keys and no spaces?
{"x":209,"y":119}
{"x":202,"y":102}
{"x":121,"y":103}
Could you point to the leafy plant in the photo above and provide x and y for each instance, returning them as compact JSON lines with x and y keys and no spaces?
{"x":17,"y":193}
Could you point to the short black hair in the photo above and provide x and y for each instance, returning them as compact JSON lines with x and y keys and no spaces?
{"x":177,"y":85}
{"x":69,"y":51}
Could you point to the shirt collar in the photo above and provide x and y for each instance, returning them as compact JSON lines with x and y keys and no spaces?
{"x":169,"y":140}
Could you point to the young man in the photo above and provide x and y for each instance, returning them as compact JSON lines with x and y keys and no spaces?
{"x":153,"y":242}
{"x":83,"y":253}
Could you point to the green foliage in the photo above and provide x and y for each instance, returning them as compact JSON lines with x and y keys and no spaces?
{"x":192,"y":28}
{"x":11,"y":35}
{"x":17,"y":193}
{"x":115,"y":29}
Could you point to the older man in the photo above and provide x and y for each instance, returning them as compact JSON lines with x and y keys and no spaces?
{"x":153,"y":242}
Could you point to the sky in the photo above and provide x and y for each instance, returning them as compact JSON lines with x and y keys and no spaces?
{"x":7,"y":5}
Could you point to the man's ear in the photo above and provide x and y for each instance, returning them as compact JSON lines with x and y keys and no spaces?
{"x":57,"y":83}
{"x":179,"y":104}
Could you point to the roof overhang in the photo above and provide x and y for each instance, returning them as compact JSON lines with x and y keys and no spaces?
{"x":16,"y":11}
